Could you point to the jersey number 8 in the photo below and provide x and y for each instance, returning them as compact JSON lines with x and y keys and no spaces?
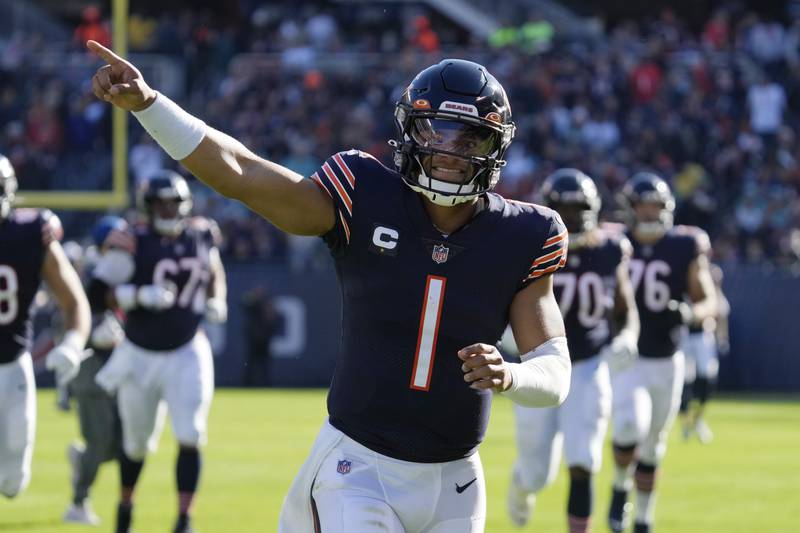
{"x":9,"y":306}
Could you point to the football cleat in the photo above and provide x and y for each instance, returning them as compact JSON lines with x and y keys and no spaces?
{"x":619,"y":512}
{"x":704,"y":433}
{"x":81,"y":514}
{"x":640,"y":527}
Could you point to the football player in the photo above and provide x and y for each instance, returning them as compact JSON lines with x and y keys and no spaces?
{"x":701,"y":347}
{"x":594,"y":293}
{"x":171,"y":282}
{"x":97,"y":410}
{"x":669,"y":264}
{"x":432,"y":266}
{"x":29,"y":253}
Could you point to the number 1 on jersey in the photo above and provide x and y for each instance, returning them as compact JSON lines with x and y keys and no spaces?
{"x":428,"y":331}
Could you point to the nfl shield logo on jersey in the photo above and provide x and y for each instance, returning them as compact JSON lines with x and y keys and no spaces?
{"x":343,"y":467}
{"x":440,"y":252}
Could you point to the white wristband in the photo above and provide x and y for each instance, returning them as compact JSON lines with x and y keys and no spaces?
{"x":175,"y":130}
{"x":74,"y":340}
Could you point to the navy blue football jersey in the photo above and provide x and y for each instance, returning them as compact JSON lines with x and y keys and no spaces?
{"x":182,"y":263}
{"x":585,"y":290}
{"x":659,"y":273}
{"x":24,"y":238}
{"x":413,"y":297}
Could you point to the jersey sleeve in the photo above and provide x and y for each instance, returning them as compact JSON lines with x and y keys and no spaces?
{"x":209,"y":231}
{"x":51,"y":227}
{"x":337,"y":177}
{"x":553,"y":253}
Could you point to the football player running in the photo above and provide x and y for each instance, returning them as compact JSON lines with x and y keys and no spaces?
{"x":594,"y":293}
{"x":97,"y":410}
{"x":166,"y":287}
{"x":669,"y":265}
{"x":29,"y":253}
{"x":432,"y":266}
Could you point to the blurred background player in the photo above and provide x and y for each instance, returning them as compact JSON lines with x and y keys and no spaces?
{"x":171,"y":282}
{"x":29,"y":253}
{"x":596,"y":300}
{"x":669,"y":264}
{"x":410,"y":397}
{"x":97,"y":410}
{"x":701,"y":347}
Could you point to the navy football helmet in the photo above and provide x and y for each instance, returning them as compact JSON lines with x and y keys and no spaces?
{"x":454,"y":126}
{"x":106,"y":225}
{"x":166,"y":201}
{"x":574,"y":195}
{"x":8,"y":187}
{"x":648,"y":188}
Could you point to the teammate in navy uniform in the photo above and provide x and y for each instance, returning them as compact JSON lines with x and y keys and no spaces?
{"x":432,"y":266}
{"x":29,"y":253}
{"x":173,"y":280}
{"x":596,"y":300}
{"x":669,"y":264}
{"x":97,"y":410}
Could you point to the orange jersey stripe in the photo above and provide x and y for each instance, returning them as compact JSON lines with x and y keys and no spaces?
{"x":343,"y":166}
{"x":548,"y":257}
{"x":558,"y":238}
{"x":346,"y":227}
{"x":322,"y":186}
{"x":542,"y":271}
{"x":339,"y":188}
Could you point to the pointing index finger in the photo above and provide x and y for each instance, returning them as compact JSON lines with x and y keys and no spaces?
{"x":106,"y":54}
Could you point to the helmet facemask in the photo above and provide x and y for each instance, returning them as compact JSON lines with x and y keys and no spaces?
{"x":649,"y":226}
{"x":579,"y":217}
{"x":168,"y":214}
{"x":449,"y":157}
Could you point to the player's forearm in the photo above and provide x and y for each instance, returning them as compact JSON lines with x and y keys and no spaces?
{"x":542,"y":379}
{"x":77,"y":316}
{"x":278,"y":194}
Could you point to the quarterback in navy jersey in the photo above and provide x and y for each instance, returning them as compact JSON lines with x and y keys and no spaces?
{"x":172,"y":281}
{"x":432,"y":265}
{"x":30,"y":253}
{"x":669,"y":265}
{"x":594,"y":293}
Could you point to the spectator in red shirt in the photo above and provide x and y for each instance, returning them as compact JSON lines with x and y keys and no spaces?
{"x":92,"y":28}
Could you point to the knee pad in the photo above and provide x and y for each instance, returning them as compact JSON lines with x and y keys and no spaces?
{"x":188,"y":434}
{"x":136,"y":449}
{"x":533,"y":478}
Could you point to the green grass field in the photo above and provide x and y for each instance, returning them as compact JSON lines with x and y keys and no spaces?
{"x":747,"y":480}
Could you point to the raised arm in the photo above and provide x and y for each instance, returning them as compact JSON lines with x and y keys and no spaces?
{"x":283,"y":197}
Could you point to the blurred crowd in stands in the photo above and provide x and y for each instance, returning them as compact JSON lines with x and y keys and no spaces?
{"x":715,"y":112}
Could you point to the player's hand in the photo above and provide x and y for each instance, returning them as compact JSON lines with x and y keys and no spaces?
{"x":484,"y":367}
{"x":216,"y":310}
{"x":682,"y":313}
{"x":107,"y":333}
{"x":65,"y":361}
{"x":119,"y":82}
{"x":155,"y":297}
{"x":621,"y":352}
